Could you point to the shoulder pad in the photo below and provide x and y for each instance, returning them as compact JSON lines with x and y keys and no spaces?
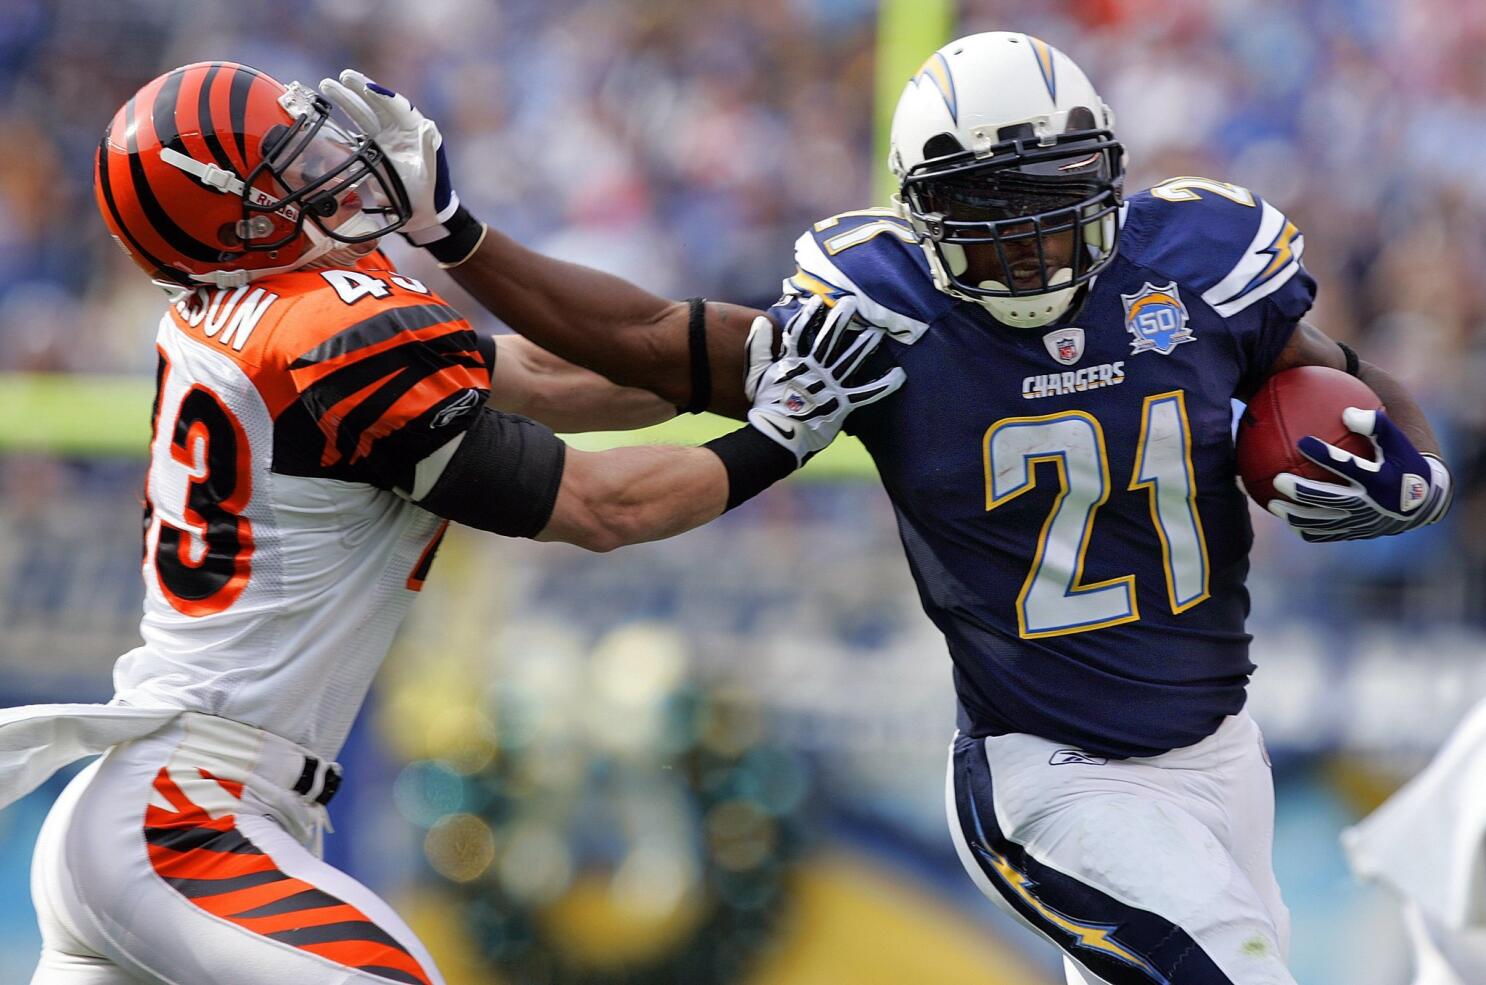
{"x":342,"y":304}
{"x":1219,"y":239}
{"x":873,"y":255}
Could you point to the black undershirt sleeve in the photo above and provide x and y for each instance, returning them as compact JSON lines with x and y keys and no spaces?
{"x":503,"y":477}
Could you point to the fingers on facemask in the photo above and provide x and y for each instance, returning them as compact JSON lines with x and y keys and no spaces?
{"x":429,"y":137}
{"x":392,"y":110}
{"x":352,"y":104}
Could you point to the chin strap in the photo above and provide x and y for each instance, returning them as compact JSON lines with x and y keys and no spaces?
{"x":208,"y":174}
{"x":323,"y":252}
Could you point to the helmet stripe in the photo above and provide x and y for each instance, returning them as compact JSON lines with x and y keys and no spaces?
{"x":164,"y":226}
{"x":242,"y":81}
{"x":162,"y":114}
{"x":162,"y":272}
{"x":208,"y":128}
{"x":936,"y":70}
{"x":1044,"y":53}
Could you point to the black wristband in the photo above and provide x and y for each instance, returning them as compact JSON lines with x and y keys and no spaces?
{"x":464,"y":236}
{"x":753,"y":460}
{"x":701,"y":369}
{"x":1351,"y":357}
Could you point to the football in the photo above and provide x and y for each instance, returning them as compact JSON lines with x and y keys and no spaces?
{"x":1290,"y":405}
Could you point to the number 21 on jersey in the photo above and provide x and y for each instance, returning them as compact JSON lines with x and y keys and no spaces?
{"x":202,"y":564}
{"x":1053,"y":600}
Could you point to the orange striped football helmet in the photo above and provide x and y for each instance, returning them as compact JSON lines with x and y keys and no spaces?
{"x":216,"y":173}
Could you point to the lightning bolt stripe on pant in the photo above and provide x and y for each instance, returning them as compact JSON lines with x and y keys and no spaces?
{"x":1120,"y":943}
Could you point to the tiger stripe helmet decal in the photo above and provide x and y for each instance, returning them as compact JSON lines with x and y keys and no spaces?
{"x":169,"y":221}
{"x":217,"y":173}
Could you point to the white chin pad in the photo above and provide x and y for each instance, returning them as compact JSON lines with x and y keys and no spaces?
{"x":1063,"y":276}
{"x":1034,"y":311}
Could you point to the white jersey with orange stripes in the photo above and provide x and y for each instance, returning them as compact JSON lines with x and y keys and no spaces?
{"x":279,"y":557}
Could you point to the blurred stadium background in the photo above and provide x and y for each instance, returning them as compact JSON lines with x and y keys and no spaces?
{"x":672,"y":764}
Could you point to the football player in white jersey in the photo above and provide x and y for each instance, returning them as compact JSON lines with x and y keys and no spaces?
{"x":319,"y":419}
{"x":1106,"y":785}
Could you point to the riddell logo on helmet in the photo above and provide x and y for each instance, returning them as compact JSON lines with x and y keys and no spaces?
{"x":260,"y":197}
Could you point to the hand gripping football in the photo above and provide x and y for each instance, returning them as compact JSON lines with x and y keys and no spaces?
{"x":1287,"y":407}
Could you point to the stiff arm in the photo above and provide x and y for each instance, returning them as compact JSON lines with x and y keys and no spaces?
{"x":607,"y":324}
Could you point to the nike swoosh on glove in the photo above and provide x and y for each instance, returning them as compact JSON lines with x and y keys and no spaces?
{"x":1399,"y":489}
{"x":824,"y":371}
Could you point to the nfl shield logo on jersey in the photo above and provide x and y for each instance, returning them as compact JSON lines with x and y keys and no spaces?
{"x":1157,"y":318}
{"x":1066,"y":345}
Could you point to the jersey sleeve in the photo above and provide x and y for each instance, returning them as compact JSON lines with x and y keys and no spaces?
{"x":392,"y":388}
{"x":872,"y":256}
{"x":1242,"y":255}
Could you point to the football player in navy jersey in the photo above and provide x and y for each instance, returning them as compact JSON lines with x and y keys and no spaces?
{"x":1062,"y":467}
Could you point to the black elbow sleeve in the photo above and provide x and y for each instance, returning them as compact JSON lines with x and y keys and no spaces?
{"x":503,"y":477}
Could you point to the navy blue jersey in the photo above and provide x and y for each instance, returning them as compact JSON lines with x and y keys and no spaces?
{"x":1066,"y":495}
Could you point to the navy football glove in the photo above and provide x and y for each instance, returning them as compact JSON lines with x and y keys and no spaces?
{"x":413,"y":146}
{"x":1397,"y":490}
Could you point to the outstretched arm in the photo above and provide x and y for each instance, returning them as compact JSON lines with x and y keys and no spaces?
{"x":587,"y":317}
{"x":597,"y":320}
{"x":510,"y":475}
{"x":530,"y":381}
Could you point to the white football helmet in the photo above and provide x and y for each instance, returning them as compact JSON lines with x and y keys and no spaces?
{"x":1009,"y":174}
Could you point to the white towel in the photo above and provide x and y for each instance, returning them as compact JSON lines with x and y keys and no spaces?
{"x":1428,"y":841}
{"x":38,"y":740}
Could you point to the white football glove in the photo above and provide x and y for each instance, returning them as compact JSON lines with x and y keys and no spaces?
{"x":823,"y":373}
{"x":412,"y":143}
{"x":760,"y":350}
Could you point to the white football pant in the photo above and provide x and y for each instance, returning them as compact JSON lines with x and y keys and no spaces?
{"x":188,"y":858}
{"x":1153,"y":871}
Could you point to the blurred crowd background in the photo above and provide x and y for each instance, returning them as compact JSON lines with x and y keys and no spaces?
{"x":657,"y":767}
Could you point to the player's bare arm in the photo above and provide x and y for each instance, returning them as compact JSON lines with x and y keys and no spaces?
{"x":533,"y":382}
{"x":692,"y":359}
{"x":1310,"y":346}
{"x":511,"y":475}
{"x":1405,"y":485}
{"x":607,"y":324}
